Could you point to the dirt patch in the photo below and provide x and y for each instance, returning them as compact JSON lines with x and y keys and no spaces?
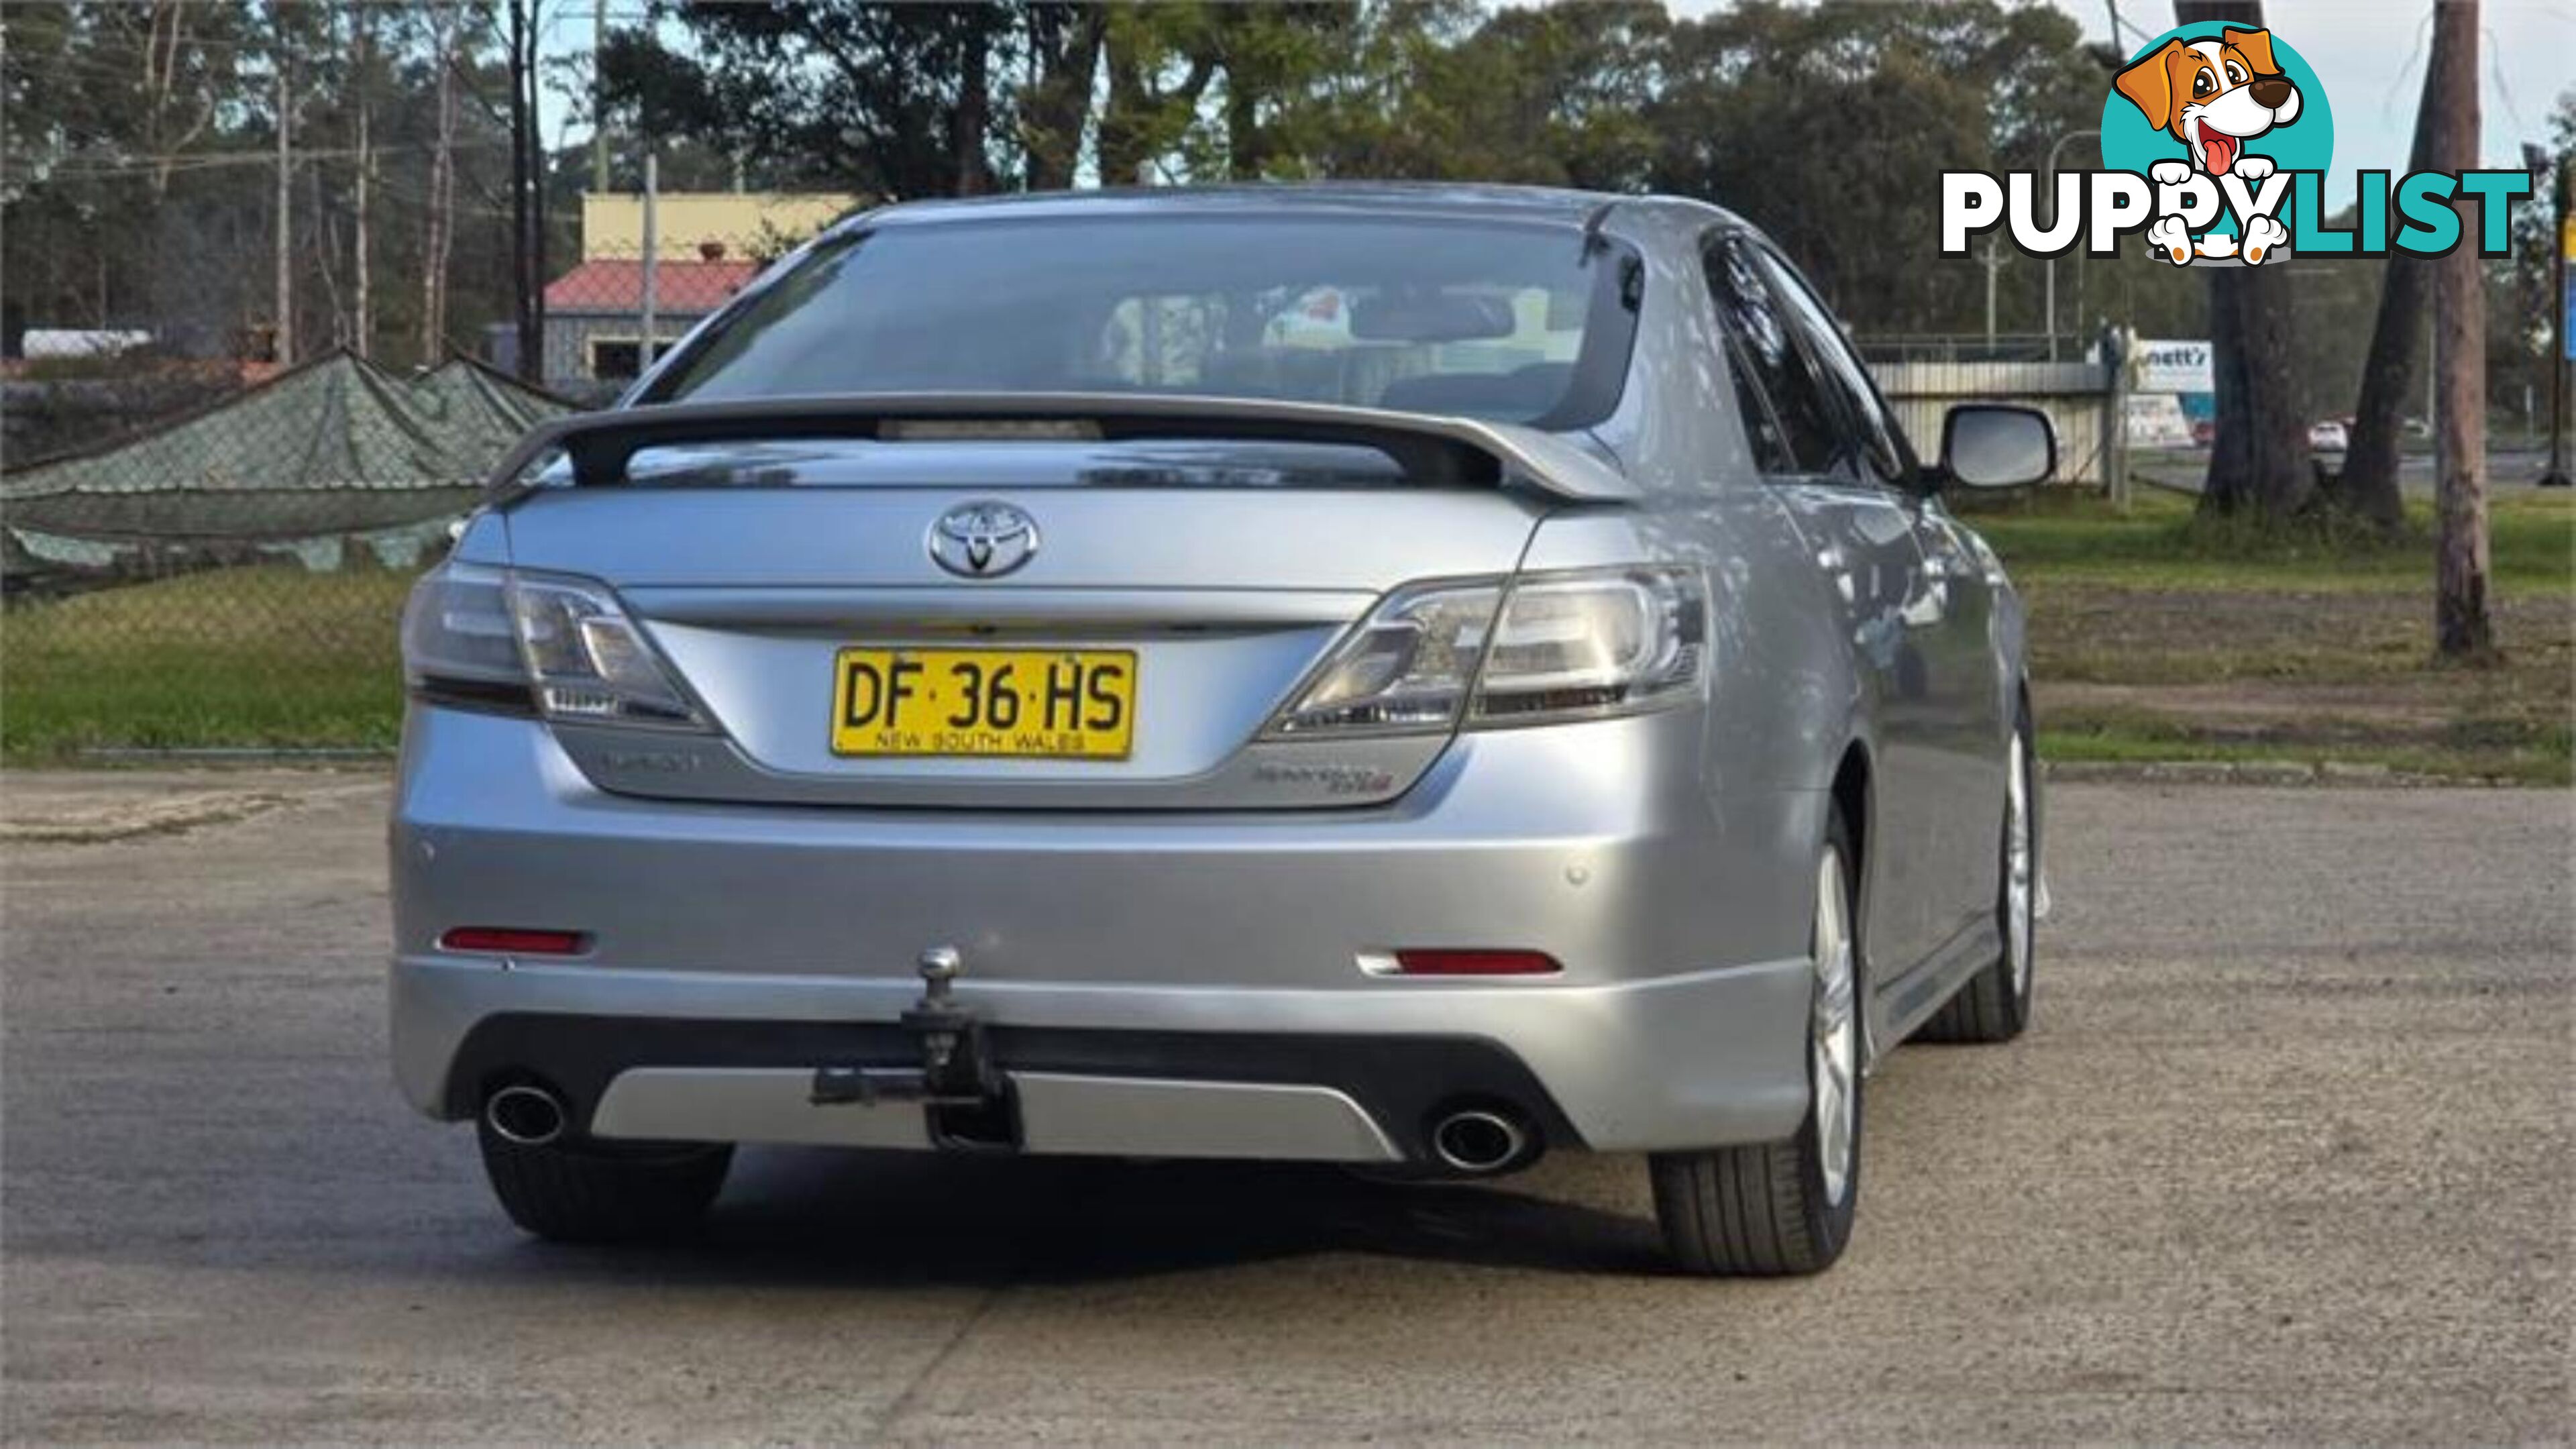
{"x":2122,"y":635}
{"x":123,"y":820}
{"x":85,"y":807}
{"x":2346,"y":674}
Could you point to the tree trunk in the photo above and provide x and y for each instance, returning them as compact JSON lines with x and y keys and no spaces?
{"x":442,"y":197}
{"x":363,"y":324}
{"x":282,"y":351}
{"x":537,"y":245}
{"x":1064,"y":45}
{"x":973,"y":113}
{"x":1243,"y":136}
{"x":2463,"y":622}
{"x":524,"y":277}
{"x":2258,"y":461}
{"x":1123,"y":121}
{"x":2231,"y":446}
{"x":2370,"y":461}
{"x":1247,"y":65}
{"x":326,"y":244}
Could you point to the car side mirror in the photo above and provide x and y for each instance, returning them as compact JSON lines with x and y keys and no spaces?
{"x":1994,"y":445}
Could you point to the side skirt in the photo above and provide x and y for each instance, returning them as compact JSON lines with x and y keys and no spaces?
{"x":1903,"y":1003}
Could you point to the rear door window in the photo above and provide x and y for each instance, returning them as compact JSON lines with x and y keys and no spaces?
{"x":1787,"y":416}
{"x":1883,"y":453}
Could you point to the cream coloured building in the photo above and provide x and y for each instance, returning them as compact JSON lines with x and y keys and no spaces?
{"x":707,"y":245}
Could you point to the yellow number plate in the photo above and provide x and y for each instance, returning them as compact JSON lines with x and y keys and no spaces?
{"x":1049,"y":703}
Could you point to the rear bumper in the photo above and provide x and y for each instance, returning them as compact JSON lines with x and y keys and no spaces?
{"x":736,"y":949}
{"x":1690,"y":1061}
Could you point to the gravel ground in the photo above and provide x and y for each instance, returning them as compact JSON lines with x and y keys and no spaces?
{"x":2287,"y":1154}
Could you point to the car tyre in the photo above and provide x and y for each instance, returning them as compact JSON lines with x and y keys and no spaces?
{"x":1994,"y":1004}
{"x":1782,"y":1208}
{"x":569,"y":1195}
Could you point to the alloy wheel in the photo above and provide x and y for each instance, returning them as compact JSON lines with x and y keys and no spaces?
{"x":2020,"y":868}
{"x":1835,"y":1035}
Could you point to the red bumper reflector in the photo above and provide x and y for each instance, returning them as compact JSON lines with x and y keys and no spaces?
{"x":513,"y":942}
{"x":1476,"y":963}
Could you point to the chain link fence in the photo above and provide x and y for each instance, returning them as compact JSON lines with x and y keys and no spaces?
{"x":203,"y":551}
{"x":230,"y":575}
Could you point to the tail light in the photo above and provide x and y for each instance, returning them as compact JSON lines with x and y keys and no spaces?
{"x":549,"y":643}
{"x":1538,"y":649}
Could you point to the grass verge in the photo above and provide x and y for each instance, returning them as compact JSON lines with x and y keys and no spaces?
{"x":2162,"y":543}
{"x":260,"y":657}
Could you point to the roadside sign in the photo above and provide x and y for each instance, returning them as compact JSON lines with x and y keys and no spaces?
{"x":2156,"y":420}
{"x":2171,"y":366}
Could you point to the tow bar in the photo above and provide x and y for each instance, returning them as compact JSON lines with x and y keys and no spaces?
{"x":966,"y":1098}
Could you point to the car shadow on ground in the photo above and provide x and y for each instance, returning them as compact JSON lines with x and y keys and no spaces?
{"x":904,"y":1219}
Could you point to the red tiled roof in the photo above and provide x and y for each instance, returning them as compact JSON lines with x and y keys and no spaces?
{"x":618,"y":286}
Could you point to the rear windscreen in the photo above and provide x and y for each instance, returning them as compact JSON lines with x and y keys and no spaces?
{"x":1512,"y":322}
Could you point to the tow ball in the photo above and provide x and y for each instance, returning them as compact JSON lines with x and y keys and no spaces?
{"x":966,"y":1101}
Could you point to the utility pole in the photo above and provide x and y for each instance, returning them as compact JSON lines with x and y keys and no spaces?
{"x":1994,"y":262}
{"x":2052,"y":221}
{"x":2560,"y":240}
{"x":2463,"y":617}
{"x":598,"y":97}
{"x":283,"y":349}
{"x":652,"y":280}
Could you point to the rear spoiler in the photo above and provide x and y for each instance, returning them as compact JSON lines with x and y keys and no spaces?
{"x":1429,"y":448}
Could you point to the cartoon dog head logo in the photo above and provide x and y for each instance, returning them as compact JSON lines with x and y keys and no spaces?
{"x":2214,"y":96}
{"x":2216,"y":116}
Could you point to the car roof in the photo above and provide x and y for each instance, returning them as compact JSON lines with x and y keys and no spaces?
{"x":1519,"y":203}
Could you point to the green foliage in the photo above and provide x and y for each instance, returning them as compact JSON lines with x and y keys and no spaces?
{"x":139,"y":174}
{"x":1828,"y":125}
{"x":1824,"y":124}
{"x":138,"y":193}
{"x":866,"y":97}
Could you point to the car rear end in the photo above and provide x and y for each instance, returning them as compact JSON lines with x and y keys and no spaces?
{"x":1093,"y":712}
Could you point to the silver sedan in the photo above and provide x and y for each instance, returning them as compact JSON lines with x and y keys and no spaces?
{"x":1413,"y":677}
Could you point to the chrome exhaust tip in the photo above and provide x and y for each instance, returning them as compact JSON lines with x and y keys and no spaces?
{"x":1479,"y":1141}
{"x":524,"y":1115}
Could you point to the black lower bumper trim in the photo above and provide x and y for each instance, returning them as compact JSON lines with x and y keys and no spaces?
{"x":1401,"y":1081}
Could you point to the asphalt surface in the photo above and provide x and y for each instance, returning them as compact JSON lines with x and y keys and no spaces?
{"x":2512,"y":468}
{"x":2287,"y":1154}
